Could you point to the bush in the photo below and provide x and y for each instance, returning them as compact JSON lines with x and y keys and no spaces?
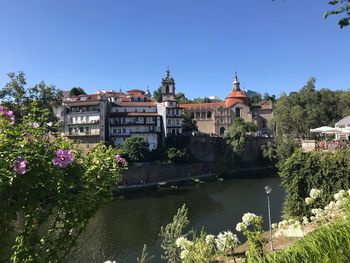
{"x":136,"y":149}
{"x":48,"y":191}
{"x":327,"y":171}
{"x":178,"y":156}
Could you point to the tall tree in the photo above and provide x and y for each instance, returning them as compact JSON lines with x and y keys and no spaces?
{"x":16,"y":96}
{"x":76,"y":91}
{"x":341,"y":7}
{"x":236,"y":135}
{"x":157,"y":94}
{"x":188,"y":124}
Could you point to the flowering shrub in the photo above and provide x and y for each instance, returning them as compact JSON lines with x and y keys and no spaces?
{"x":48,"y":191}
{"x":251,"y":227}
{"x":206,"y":247}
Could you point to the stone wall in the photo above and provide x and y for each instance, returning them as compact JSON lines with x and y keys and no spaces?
{"x":151,"y":173}
{"x":215,"y":149}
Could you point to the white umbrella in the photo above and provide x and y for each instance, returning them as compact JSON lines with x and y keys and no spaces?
{"x":334,"y":131}
{"x":322,"y":129}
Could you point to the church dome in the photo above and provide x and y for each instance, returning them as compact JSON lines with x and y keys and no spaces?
{"x":236,"y":95}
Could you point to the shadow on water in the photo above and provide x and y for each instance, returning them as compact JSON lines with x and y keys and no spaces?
{"x":120,"y":229}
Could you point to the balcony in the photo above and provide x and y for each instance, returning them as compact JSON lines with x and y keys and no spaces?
{"x":83,"y":122}
{"x":88,"y":133}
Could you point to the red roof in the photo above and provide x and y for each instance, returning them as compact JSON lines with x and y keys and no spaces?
{"x":236,"y":97}
{"x":199,"y":106}
{"x":266,"y":106}
{"x":134,"y":104}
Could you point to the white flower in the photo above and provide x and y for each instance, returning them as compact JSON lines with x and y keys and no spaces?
{"x":274,"y":226}
{"x":183,"y":242}
{"x":340,"y":195}
{"x":305,"y":220}
{"x":317,"y":211}
{"x":248,"y":218}
{"x":183,"y":254}
{"x":226,"y":241}
{"x":209,"y":239}
{"x":49,"y":124}
{"x":240,"y":227}
{"x":309,"y":200}
{"x":315,"y":193}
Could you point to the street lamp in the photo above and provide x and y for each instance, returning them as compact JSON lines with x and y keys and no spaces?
{"x":268,"y":190}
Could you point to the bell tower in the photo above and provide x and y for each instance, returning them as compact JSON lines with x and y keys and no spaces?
{"x":235,"y":86}
{"x":168,"y":87}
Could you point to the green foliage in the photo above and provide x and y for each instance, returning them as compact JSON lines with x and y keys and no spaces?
{"x":181,"y":98}
{"x":16,"y":96}
{"x":329,"y":243}
{"x":46,"y":206}
{"x":178,"y":156}
{"x":341,"y":7}
{"x":76,"y":91}
{"x":144,"y":258}
{"x":171,"y":232}
{"x":136,"y":149}
{"x":236,"y":135}
{"x":295,"y":114}
{"x":327,"y":171}
{"x":157,"y":94}
{"x":188,"y":124}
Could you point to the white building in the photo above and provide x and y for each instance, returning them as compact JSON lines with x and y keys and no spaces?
{"x":127,"y":119}
{"x":84,"y":118}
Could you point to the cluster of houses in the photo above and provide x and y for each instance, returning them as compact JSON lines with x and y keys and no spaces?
{"x":114,"y":116}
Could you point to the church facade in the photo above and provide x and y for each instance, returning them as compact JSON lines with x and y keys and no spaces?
{"x":215,"y":118}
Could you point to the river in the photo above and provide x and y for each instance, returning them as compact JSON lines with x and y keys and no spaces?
{"x":120,"y":229}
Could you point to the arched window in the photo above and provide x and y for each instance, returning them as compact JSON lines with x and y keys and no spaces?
{"x":238,"y":112}
{"x":145,"y":99}
{"x":139,"y":99}
{"x":222,"y":130}
{"x":209,"y":114}
{"x":198,"y":115}
{"x":192,"y":115}
{"x":167,"y":89}
{"x":132,"y":99}
{"x":203,"y":115}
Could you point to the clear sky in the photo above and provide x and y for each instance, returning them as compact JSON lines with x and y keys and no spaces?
{"x":109,"y":44}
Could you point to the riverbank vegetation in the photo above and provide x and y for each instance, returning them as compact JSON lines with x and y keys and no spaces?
{"x":48,"y":190}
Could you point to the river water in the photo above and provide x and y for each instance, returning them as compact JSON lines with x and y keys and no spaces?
{"x":120,"y":229}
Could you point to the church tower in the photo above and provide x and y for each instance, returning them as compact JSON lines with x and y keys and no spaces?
{"x":168,"y":87}
{"x":236,"y":84}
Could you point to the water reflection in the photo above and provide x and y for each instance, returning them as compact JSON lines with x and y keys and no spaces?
{"x":120,"y":229}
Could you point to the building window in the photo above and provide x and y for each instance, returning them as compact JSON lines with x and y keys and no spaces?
{"x":198,"y":115}
{"x":87,"y":130}
{"x":238,"y":112}
{"x":114,"y":131}
{"x":177,"y":122}
{"x":173,"y":122}
{"x":81,"y":129}
{"x":209,"y":114}
{"x":119,"y":131}
{"x":124,"y":130}
{"x":135,"y":110}
{"x":203,"y":115}
{"x":70,"y":131}
{"x":167,"y":89}
{"x":139,"y":99}
{"x":81,"y":118}
{"x":177,"y":111}
{"x":222,"y":130}
{"x":132,"y":99}
{"x":116,"y":110}
{"x":145,"y":99}
{"x":169,"y":122}
{"x":192,"y":115}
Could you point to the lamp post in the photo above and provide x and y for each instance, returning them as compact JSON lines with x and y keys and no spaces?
{"x":268,"y":190}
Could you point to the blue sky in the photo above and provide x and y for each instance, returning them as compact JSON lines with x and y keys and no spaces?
{"x":97,"y":44}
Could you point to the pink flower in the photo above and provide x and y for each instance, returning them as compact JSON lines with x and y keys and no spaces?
{"x":63,"y":158}
{"x":121,"y":161}
{"x":7,"y":113}
{"x":19,"y":166}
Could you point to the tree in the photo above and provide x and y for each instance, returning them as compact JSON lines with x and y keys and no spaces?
{"x":48,"y":190}
{"x":16,"y":96}
{"x":295,"y":114}
{"x":76,"y":91}
{"x":188,"y":124}
{"x":136,"y":149}
{"x":236,"y":135}
{"x":340,"y":7}
{"x":157,"y":94}
{"x":181,"y":98}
